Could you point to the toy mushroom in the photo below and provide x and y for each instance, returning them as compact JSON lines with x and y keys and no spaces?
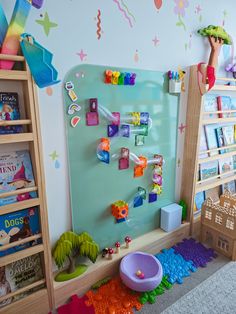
{"x":104,"y":252}
{"x":127,"y":241}
{"x":110,"y":252}
{"x":117,"y":245}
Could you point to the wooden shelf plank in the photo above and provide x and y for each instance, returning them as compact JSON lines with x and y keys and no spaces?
{"x":15,"y":122}
{"x":13,"y":75}
{"x":11,"y":57}
{"x":217,"y":182}
{"x":8,"y":259}
{"x":217,"y":149}
{"x":20,"y":191}
{"x":226,"y":79}
{"x":221,"y":111}
{"x":216,"y":157}
{"x":22,"y":241}
{"x":16,"y":138}
{"x":219,"y":120}
{"x":219,"y":87}
{"x":19,"y":291}
{"x":10,"y":208}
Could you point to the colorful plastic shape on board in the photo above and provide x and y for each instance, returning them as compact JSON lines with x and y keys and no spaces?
{"x":150,"y":267}
{"x":194,"y":251}
{"x":150,"y":296}
{"x":39,"y":60}
{"x":175,"y":267}
{"x":69,"y":86}
{"x":92,"y":117}
{"x":73,"y":108}
{"x":120,"y":210}
{"x":76,"y":306}
{"x":118,"y":78}
{"x":117,"y":118}
{"x":125,"y":130}
{"x":112,"y":130}
{"x":103,"y":151}
{"x":139,"y":140}
{"x":114,"y":297}
{"x":11,"y":42}
{"x":3,"y":25}
{"x":152,"y":197}
{"x":139,"y":169}
{"x":124,"y":158}
{"x":93,"y":104}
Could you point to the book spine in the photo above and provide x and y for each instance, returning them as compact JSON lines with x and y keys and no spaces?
{"x":219,"y":106}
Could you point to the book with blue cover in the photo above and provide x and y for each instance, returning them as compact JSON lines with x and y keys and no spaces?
{"x":208,"y":169}
{"x":211,"y":138}
{"x":198,"y":201}
{"x":224,"y":104}
{"x":17,"y":226}
{"x":230,"y":186}
{"x":220,"y":139}
{"x":210,"y":105}
{"x":233,"y":106}
{"x":9,"y":110}
{"x":16,"y":173}
{"x":228,"y":132}
{"x":226,"y":165}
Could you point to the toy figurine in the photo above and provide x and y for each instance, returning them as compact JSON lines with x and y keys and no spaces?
{"x":110,"y":253}
{"x":104,"y":252}
{"x":128,"y":241}
{"x":117,"y":245}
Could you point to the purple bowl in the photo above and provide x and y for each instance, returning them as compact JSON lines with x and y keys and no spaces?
{"x":148,"y":264}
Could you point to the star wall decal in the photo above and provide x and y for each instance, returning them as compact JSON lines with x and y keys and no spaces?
{"x":82,"y":55}
{"x":54,"y":155}
{"x":181,"y":128}
{"x":155,"y":41}
{"x":47,"y":24}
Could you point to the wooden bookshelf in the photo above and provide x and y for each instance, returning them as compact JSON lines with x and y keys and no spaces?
{"x":42,"y":300}
{"x":195,"y":120}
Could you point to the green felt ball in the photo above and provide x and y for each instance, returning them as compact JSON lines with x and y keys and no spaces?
{"x":216,"y":31}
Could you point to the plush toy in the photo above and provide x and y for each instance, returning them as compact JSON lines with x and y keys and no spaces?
{"x":217,"y":32}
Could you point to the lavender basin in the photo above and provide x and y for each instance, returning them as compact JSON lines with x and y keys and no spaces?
{"x":148,"y":264}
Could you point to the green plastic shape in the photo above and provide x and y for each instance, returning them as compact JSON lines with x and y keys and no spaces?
{"x":184,"y":209}
{"x":150,"y":296}
{"x":64,"y":275}
{"x":100,"y":283}
{"x":69,"y":246}
{"x":216,"y":31}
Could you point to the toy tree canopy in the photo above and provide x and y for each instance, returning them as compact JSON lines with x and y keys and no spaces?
{"x":216,"y":31}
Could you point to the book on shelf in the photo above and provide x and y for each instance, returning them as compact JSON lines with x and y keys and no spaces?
{"x":211,"y":138}
{"x":198,"y":201}
{"x":203,"y":144}
{"x":214,"y":194}
{"x":225,"y":165}
{"x":228,"y":133}
{"x":9,"y":110}
{"x":210,"y":105}
{"x":208,"y":169}
{"x":224,"y":103}
{"x":16,"y":173}
{"x":17,"y":226}
{"x":220,"y":139}
{"x":233,"y":106}
{"x":230,"y":186}
{"x":18,"y":275}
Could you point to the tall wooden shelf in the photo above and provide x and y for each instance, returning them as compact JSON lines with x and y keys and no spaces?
{"x":42,"y":300}
{"x":195,"y":120}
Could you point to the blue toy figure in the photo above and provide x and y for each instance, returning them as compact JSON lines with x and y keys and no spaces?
{"x":39,"y":61}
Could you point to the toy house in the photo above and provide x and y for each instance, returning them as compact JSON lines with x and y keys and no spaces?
{"x":218,"y":224}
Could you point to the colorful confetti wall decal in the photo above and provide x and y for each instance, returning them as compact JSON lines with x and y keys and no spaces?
{"x":46,"y":23}
{"x":124,"y":12}
{"x":99,"y":24}
{"x":54,"y":157}
{"x":49,"y":91}
{"x":158,"y":4}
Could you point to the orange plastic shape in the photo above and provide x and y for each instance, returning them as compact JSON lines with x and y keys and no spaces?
{"x":120,"y":209}
{"x":138,"y":171}
{"x":114,"y":298}
{"x":105,"y":144}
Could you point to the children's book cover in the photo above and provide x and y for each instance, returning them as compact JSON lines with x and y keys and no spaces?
{"x":203,"y":144}
{"x":230,"y":186}
{"x":18,"y":275}
{"x":213,"y":193}
{"x":198,"y":201}
{"x":220,"y":139}
{"x":225,"y":165}
{"x":211,"y":138}
{"x":233,"y":106}
{"x":210,"y":105}
{"x":228,"y":132}
{"x":9,"y":110}
{"x":16,"y":173}
{"x":208,"y":169}
{"x":224,"y":103}
{"x":17,"y":226}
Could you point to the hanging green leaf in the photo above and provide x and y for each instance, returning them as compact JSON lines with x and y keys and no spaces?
{"x":84,"y":236}
{"x":72,"y":237}
{"x":90,"y":250}
{"x":61,"y":251}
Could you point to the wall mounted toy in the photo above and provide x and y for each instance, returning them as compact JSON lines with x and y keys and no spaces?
{"x":120,"y":210}
{"x":74,"y":121}
{"x":118,"y":78}
{"x":124,"y":158}
{"x":103,"y":150}
{"x":39,"y":60}
{"x":73,"y":108}
{"x":69,"y":86}
{"x":11,"y":43}
{"x":92,"y":117}
{"x":69,"y":246}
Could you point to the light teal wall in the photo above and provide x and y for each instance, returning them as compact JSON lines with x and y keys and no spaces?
{"x":119,"y":45}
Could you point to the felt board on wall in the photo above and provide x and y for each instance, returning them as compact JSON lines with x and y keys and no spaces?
{"x":94,"y":185}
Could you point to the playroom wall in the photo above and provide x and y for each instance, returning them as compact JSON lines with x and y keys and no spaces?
{"x":133,"y":34}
